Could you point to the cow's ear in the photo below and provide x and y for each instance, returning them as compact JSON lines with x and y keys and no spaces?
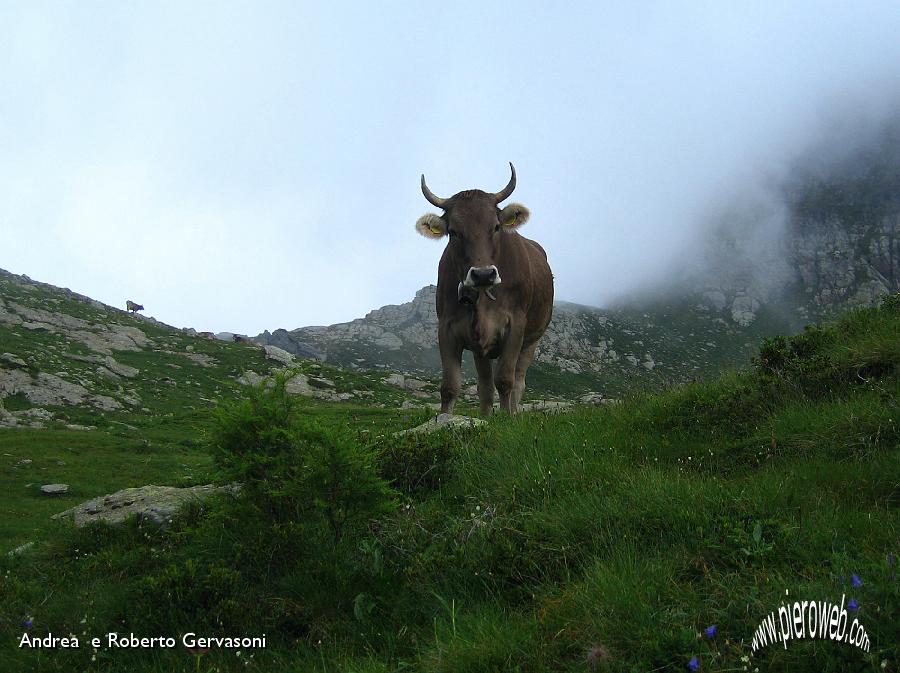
{"x":431,"y":226}
{"x":514,"y":215}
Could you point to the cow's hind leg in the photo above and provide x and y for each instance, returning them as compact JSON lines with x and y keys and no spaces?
{"x":451,"y":363}
{"x":525,"y":359}
{"x":485,"y":385}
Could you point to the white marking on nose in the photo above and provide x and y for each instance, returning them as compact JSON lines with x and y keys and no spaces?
{"x":470,"y":282}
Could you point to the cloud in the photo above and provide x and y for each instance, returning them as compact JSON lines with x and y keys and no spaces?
{"x":253,"y":168}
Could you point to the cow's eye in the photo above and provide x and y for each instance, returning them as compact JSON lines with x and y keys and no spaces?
{"x":497,"y":227}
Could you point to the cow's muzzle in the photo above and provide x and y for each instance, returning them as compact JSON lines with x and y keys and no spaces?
{"x":482,"y":277}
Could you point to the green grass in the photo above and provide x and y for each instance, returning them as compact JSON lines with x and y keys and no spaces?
{"x":92,"y":463}
{"x":606,"y":537}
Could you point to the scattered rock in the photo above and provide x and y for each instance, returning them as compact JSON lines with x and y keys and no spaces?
{"x":201,"y":359}
{"x":416,"y":384}
{"x":546,"y":406}
{"x":55,"y":489}
{"x":120,"y":369}
{"x":12,"y":360}
{"x":250,"y":378}
{"x":397,"y":380}
{"x":591,"y":398}
{"x":7,"y":420}
{"x":24,"y":461}
{"x":407,"y":382}
{"x":37,"y":414}
{"x":298,"y":384}
{"x":278,"y":354}
{"x":743,"y":310}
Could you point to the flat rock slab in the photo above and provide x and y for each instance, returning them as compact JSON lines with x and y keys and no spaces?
{"x":443,"y":421}
{"x":546,"y":406}
{"x":55,"y":489}
{"x":157,"y":504}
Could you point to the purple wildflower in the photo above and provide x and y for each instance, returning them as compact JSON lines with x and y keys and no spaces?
{"x":710,"y":631}
{"x":693,"y":664}
{"x":855,"y":581}
{"x":852,"y":604}
{"x":28,"y":623}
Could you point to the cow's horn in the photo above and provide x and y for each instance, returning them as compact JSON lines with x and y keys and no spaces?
{"x":432,"y":199}
{"x":506,"y":191}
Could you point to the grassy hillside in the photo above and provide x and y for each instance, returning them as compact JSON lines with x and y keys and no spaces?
{"x":607,"y":538}
{"x":155,"y":433}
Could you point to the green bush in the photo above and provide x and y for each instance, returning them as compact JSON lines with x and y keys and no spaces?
{"x":293,"y":469}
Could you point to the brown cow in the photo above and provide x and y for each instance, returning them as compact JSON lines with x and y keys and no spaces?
{"x":494,"y":293}
{"x":133,"y":306}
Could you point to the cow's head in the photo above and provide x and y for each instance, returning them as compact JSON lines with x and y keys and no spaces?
{"x":474,"y":222}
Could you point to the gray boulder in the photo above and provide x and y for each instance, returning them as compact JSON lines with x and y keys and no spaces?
{"x":157,"y":504}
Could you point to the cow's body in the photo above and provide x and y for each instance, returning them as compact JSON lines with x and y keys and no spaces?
{"x":133,"y":306}
{"x":494,"y":296}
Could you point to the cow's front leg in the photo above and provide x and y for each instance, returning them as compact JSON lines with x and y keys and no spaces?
{"x":526,"y":356}
{"x":505,"y":372}
{"x":485,"y":384}
{"x":451,"y":363}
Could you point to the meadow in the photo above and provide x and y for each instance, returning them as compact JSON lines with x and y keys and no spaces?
{"x":651,"y":535}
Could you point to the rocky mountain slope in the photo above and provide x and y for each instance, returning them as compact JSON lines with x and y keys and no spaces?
{"x":584,"y":349}
{"x":67,"y":360}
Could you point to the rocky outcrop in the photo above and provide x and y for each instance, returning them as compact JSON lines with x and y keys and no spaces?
{"x":98,"y":337}
{"x":286,"y":341}
{"x":297,"y":383}
{"x":394,"y":334}
{"x":842,"y":264}
{"x":50,"y":389}
{"x":68,"y":350}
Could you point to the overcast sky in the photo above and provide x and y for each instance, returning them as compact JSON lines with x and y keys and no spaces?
{"x":249,"y":166}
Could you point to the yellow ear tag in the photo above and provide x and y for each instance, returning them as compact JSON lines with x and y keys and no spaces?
{"x":511,"y":221}
{"x":435,"y":229}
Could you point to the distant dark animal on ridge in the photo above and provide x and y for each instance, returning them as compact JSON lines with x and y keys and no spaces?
{"x":494,"y":293}
{"x":132,"y":306}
